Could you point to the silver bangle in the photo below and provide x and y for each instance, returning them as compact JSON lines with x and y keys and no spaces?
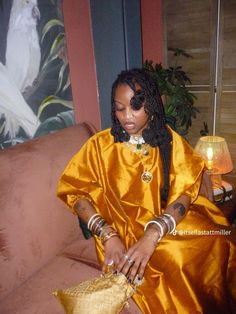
{"x":91,"y":218}
{"x":99,"y":225}
{"x":173,"y":222}
{"x":159,"y":225}
{"x":167,"y":222}
{"x":93,"y":222}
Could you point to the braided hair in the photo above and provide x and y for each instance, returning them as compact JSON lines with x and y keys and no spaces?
{"x":156,"y":133}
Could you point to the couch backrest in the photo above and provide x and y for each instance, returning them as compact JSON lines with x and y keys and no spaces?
{"x":34,"y":224}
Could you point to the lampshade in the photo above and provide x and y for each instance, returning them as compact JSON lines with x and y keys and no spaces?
{"x":214,"y":151}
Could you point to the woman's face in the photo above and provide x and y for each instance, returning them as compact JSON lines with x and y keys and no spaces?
{"x":132,"y":121}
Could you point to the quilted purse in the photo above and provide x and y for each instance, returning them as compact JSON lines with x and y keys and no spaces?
{"x":107,"y":294}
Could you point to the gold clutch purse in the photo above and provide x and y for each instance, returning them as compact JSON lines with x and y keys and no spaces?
{"x":107,"y":294}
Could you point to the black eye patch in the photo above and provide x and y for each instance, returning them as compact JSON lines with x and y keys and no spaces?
{"x":137,"y":100}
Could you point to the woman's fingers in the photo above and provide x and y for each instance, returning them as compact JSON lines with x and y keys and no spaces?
{"x":114,"y":250}
{"x":108,"y":265}
{"x":133,"y":263}
{"x":106,"y":262}
{"x":137,"y":269}
{"x":132,"y":267}
{"x":111,"y":261}
{"x":124,"y":264}
{"x":127,"y":266}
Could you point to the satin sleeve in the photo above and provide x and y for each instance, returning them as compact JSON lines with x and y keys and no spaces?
{"x":186,"y":170}
{"x":81,"y":178}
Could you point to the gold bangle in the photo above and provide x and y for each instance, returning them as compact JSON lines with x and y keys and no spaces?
{"x":109,"y":236}
{"x":98,"y":226}
{"x":104,"y":236}
{"x":91,"y":220}
{"x":105,"y":230}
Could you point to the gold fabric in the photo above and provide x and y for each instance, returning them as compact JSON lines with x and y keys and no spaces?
{"x":192,"y":271}
{"x":107,"y":294}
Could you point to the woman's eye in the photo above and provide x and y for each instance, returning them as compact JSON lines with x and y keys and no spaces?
{"x":136,"y":108}
{"x":119,"y":109}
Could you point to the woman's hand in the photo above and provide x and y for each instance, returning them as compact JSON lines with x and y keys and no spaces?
{"x":134,"y":262}
{"x":114,"y":251}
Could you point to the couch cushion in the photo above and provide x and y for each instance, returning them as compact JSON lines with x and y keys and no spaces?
{"x":82,"y":250}
{"x":35,"y":295}
{"x":34,"y":224}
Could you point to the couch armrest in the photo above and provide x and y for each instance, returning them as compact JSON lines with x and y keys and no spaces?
{"x":34,"y":224}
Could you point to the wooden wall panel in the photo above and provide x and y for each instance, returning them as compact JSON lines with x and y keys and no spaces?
{"x":191,"y":25}
{"x":229,"y":44}
{"x":202,"y":103}
{"x":226,"y":106}
{"x":185,"y":21}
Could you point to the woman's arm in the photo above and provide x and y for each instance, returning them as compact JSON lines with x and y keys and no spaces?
{"x":179,"y":208}
{"x":84,"y":209}
{"x":133,"y":264}
{"x":114,"y":249}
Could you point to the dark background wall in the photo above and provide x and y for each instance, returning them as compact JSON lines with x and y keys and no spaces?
{"x":116,"y":28}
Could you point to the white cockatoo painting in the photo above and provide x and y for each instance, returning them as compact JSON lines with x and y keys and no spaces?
{"x":13,"y":107}
{"x":21,"y":68}
{"x":23,"y":51}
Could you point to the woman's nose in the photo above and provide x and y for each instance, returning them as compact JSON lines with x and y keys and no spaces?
{"x":128,"y":113}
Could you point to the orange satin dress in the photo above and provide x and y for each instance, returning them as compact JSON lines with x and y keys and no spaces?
{"x":191,"y":271}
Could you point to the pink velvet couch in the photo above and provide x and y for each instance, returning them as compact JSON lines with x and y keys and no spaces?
{"x":41,"y":243}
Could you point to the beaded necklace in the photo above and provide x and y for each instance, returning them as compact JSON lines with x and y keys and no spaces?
{"x":137,"y":145}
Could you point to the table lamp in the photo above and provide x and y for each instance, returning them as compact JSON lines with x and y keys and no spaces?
{"x":214,"y":151}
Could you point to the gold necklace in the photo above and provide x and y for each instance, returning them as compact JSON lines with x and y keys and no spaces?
{"x":146,"y":176}
{"x":138,"y":146}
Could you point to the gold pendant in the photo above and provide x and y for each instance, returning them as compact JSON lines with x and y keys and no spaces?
{"x":146,"y":176}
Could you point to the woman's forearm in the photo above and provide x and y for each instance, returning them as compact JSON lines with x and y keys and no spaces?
{"x":95,"y":222}
{"x":84,"y":210}
{"x":179,"y":208}
{"x":167,"y":222}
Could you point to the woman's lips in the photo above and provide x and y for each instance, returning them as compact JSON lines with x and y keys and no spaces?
{"x":129,"y":125}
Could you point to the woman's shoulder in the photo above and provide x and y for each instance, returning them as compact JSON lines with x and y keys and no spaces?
{"x":101,"y":138}
{"x":95,"y":145}
{"x":102,"y":135}
{"x":183,"y":149}
{"x":178,"y":138}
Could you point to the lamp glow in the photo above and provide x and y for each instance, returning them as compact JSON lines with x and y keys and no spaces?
{"x":214,"y":151}
{"x":209,"y":158}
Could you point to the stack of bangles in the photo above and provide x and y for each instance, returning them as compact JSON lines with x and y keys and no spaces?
{"x":99,"y":227}
{"x":164,"y":223}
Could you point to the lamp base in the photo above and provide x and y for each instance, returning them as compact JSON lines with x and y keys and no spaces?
{"x":216,"y":180}
{"x":223,"y":192}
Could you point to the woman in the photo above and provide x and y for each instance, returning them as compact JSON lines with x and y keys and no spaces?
{"x":132,"y":185}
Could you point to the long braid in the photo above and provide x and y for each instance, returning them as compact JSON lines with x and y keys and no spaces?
{"x":156,"y":134}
